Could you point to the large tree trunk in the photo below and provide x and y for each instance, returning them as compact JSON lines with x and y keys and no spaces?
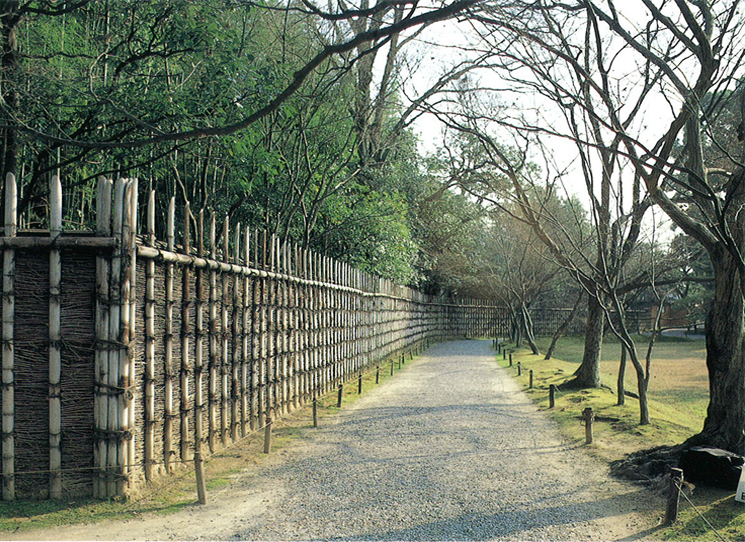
{"x":9,"y":18}
{"x":588,"y":373}
{"x":725,"y":331}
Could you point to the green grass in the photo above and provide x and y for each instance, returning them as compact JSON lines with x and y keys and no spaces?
{"x":678,"y":398}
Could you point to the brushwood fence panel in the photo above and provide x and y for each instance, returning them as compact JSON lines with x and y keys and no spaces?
{"x":123,"y":355}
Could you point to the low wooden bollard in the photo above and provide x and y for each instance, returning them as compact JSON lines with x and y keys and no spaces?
{"x":268,"y":434}
{"x":504,"y":353}
{"x":510,"y":360}
{"x":377,"y":375}
{"x":551,"y":395}
{"x":341,"y":393}
{"x":392,"y":363}
{"x":589,"y":416}
{"x":359,"y":385}
{"x":531,"y":380}
{"x":199,"y":474}
{"x":673,"y":496}
{"x":315,"y":412}
{"x":519,"y":369}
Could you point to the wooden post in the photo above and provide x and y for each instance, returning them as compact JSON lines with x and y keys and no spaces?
{"x":225,"y":363}
{"x":589,"y":416}
{"x":268,"y":433}
{"x":103,"y":318}
{"x":519,"y":369}
{"x":551,"y":396}
{"x":359,"y":385}
{"x":199,"y":474}
{"x":55,"y":339}
{"x":9,"y":272}
{"x":246,"y":377}
{"x":673,"y":496}
{"x":504,"y":355}
{"x":531,"y":379}
{"x":168,"y":451}
{"x":149,"y":413}
{"x":510,"y":359}
{"x":236,"y":346}
{"x":212,"y":356}
{"x":315,"y":412}
{"x":341,"y":393}
{"x":377,"y":374}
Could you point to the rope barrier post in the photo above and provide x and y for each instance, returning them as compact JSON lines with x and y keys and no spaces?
{"x":359,"y":385}
{"x":377,"y":374}
{"x":392,"y":367}
{"x":199,"y":473}
{"x":341,"y":392}
{"x":504,"y":353}
{"x":673,"y":496}
{"x":510,"y":359}
{"x":589,"y":416}
{"x":551,"y":395}
{"x":268,"y":433}
{"x":531,"y":379}
{"x":519,"y":369}
{"x":315,"y":412}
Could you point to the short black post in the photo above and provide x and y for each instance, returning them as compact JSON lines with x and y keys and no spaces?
{"x":315,"y":412}
{"x":392,"y":367}
{"x":531,"y":379}
{"x":673,"y":496}
{"x":519,"y":369}
{"x":359,"y":385}
{"x":341,"y":392}
{"x":551,"y":396}
{"x":504,"y":353}
{"x":377,"y":375}
{"x":199,"y":474}
{"x":510,"y":360}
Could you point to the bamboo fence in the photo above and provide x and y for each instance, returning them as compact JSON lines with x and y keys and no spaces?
{"x":160,"y":350}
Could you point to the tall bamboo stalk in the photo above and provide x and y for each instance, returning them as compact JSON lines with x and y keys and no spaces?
{"x":103,"y":310}
{"x":237,"y":389}
{"x":246,"y":367}
{"x":9,"y":272}
{"x":213,"y":343}
{"x":185,"y":340}
{"x":224,"y":373}
{"x":114,"y":457}
{"x":150,"y":419}
{"x":55,"y":338}
{"x":168,"y":450}
{"x":199,"y":346}
{"x":127,"y":376}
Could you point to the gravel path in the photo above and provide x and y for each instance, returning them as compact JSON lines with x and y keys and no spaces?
{"x":448,"y":450}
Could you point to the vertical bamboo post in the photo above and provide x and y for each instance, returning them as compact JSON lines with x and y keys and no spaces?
{"x":55,"y":338}
{"x":236,"y":311}
{"x":9,"y":272}
{"x":212,"y":396}
{"x":224,"y":373}
{"x":103,"y":318}
{"x":127,"y":377}
{"x":246,"y":378}
{"x":150,"y":418}
{"x":186,"y":304}
{"x":114,"y":457}
{"x":168,"y":450}
{"x":199,"y":347}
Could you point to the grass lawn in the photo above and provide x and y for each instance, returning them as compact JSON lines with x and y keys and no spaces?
{"x":678,"y":396}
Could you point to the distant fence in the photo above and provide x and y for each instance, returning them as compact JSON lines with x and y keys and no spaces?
{"x":123,"y":356}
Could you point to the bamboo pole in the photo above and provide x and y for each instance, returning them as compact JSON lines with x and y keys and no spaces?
{"x":55,"y":338}
{"x":199,"y":347}
{"x":235,"y":310}
{"x":168,"y":451}
{"x":225,"y":364}
{"x":186,"y":304}
{"x":114,"y":461}
{"x":103,"y":309}
{"x":246,"y":378}
{"x":127,"y":377}
{"x":150,"y":419}
{"x":212,"y":396}
{"x":8,"y":441}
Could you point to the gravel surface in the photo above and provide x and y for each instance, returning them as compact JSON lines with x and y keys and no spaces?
{"x":449,"y":449}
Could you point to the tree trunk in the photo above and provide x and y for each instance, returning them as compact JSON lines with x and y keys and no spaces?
{"x":725,"y":332}
{"x":621,"y":388}
{"x":9,"y":18}
{"x":588,"y":373}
